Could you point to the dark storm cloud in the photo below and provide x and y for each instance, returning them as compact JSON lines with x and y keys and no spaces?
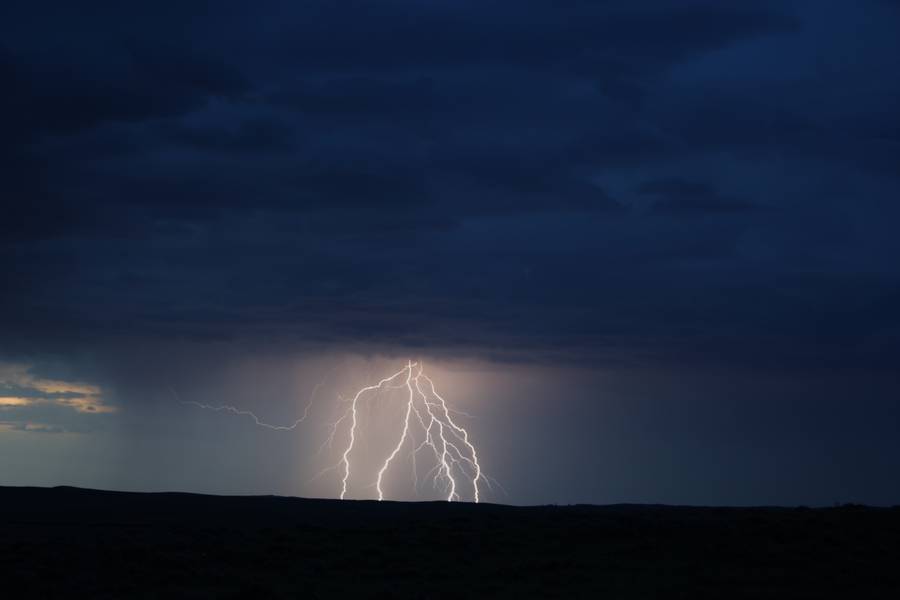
{"x":579,"y":178}
{"x":138,"y":84}
{"x":679,"y":196}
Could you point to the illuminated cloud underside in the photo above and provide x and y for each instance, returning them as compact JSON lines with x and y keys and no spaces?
{"x":22,"y":390}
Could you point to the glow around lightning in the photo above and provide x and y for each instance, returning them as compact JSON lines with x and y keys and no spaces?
{"x":442,"y":435}
{"x":425,"y":411}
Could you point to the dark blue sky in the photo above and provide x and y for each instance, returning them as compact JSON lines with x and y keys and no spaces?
{"x":693,"y":204}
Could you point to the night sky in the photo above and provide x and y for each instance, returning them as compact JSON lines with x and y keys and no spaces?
{"x":651,"y":246}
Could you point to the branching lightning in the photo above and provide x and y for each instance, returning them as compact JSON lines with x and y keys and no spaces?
{"x":237,"y":411}
{"x":456,"y":468}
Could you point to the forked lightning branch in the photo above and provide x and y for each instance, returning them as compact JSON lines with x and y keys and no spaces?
{"x":456,"y":470}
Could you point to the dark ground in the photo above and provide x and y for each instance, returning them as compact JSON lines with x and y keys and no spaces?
{"x":66,"y":542}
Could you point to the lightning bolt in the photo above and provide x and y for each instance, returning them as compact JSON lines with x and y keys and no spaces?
{"x":409,"y":406}
{"x":442,"y":435}
{"x":455,"y":456}
{"x":247,"y":413}
{"x":345,"y":460}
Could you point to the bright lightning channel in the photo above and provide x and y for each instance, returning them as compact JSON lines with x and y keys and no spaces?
{"x":455,"y":455}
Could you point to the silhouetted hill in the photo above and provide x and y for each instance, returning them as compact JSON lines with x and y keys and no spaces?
{"x":64,"y":542}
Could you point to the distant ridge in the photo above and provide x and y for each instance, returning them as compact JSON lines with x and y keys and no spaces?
{"x":74,"y":542}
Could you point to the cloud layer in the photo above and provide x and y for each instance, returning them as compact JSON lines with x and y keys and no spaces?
{"x":34,"y":404}
{"x":590,"y":181}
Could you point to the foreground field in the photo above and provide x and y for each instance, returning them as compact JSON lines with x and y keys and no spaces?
{"x":66,"y":542}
